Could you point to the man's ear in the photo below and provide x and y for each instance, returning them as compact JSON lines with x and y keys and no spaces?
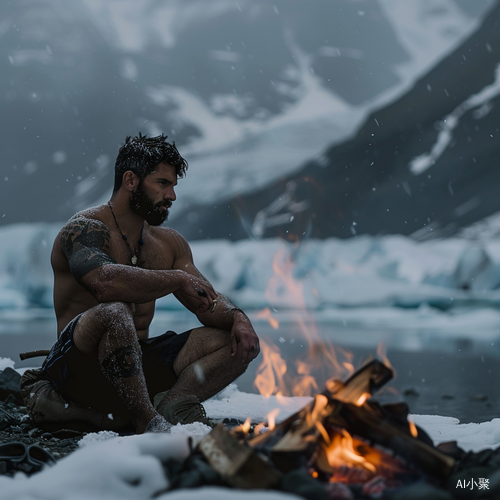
{"x":130,"y":180}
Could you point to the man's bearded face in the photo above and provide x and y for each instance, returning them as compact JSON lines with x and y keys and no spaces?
{"x":142,"y":204}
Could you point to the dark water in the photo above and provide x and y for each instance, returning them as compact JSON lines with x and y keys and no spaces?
{"x":449,"y":376}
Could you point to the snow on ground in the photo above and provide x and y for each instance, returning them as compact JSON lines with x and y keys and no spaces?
{"x":109,"y":467}
{"x":6,"y":363}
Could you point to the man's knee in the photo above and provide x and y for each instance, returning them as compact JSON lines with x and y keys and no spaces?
{"x":110,"y":312}
{"x":95,"y":323}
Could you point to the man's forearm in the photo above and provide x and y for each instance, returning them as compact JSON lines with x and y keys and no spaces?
{"x":116,"y":282}
{"x":224,"y":315}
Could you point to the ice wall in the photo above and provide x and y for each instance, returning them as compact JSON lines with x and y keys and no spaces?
{"x":390,"y":271}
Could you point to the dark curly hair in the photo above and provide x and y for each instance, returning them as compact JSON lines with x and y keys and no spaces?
{"x":142,"y":154}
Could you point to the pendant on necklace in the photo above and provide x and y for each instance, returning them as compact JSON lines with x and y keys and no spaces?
{"x":134,"y":260}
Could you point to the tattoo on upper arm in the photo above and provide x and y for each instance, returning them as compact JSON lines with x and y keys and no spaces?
{"x":85,"y":242}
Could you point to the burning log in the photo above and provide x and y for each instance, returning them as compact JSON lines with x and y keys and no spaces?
{"x":338,"y":438}
{"x":368,"y":379}
{"x":303,"y":439}
{"x":370,"y":422}
{"x":239,"y":465}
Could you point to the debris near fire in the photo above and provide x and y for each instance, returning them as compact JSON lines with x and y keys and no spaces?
{"x":341,"y":443}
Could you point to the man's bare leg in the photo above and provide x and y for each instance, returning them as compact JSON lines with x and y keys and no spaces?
{"x":204,"y":365}
{"x":107,"y":330}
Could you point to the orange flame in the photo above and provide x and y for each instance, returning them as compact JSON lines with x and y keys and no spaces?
{"x":333,"y":385}
{"x":382,"y":354}
{"x":320,"y":403}
{"x":321,"y":359}
{"x":266,"y":314}
{"x":258,"y":429}
{"x":361,"y":400}
{"x":413,"y":427}
{"x":271,"y":418}
{"x":348,"y":366}
{"x":341,"y":452}
{"x":283,"y":287}
{"x":306,"y":384}
{"x":244,"y":427}
{"x":271,"y":369}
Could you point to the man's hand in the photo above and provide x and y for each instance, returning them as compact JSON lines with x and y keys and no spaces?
{"x":197,"y":290}
{"x":243,"y":333}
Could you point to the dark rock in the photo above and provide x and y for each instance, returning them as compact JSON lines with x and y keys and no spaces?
{"x":35,"y":432}
{"x":478,"y":397}
{"x":65,"y":442}
{"x":9,"y":384}
{"x":418,"y":491}
{"x":67,"y":433}
{"x":231,"y":422}
{"x":194,"y":472}
{"x":494,"y":488}
{"x":447,"y":396}
{"x":47,"y":435}
{"x":299,"y":483}
{"x":411,"y":392}
{"x":7,"y":419}
{"x":339,"y":491}
{"x":451,"y":448}
{"x":12,"y":401}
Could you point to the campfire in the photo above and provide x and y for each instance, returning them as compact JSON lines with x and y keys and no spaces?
{"x":343,"y":444}
{"x":341,"y":437}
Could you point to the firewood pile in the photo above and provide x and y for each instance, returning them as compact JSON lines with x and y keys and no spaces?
{"x":342,"y":445}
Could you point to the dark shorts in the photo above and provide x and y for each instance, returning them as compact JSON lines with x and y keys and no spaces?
{"x":79,"y":377}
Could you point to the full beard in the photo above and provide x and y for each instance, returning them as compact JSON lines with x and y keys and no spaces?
{"x":141,"y":204}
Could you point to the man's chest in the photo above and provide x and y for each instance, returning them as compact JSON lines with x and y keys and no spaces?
{"x":151,"y":254}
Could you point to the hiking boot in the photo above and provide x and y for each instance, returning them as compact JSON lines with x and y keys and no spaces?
{"x":158,"y":424}
{"x":183,"y":411}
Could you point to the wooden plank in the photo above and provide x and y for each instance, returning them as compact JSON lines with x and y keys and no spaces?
{"x":368,"y":379}
{"x":238,"y":464}
{"x":369,"y":423}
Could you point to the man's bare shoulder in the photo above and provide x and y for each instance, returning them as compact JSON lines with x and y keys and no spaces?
{"x":86,"y":225}
{"x":167,"y":234}
{"x":92,"y":216}
{"x":168,"y":237}
{"x":93,"y":213}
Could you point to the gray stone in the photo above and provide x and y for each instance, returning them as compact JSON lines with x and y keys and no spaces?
{"x":9,"y":384}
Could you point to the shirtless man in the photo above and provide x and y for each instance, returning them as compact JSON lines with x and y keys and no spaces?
{"x":110,"y":264}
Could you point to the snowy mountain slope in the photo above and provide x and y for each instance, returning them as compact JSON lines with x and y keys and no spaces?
{"x":249,"y":90}
{"x":425,"y":164}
